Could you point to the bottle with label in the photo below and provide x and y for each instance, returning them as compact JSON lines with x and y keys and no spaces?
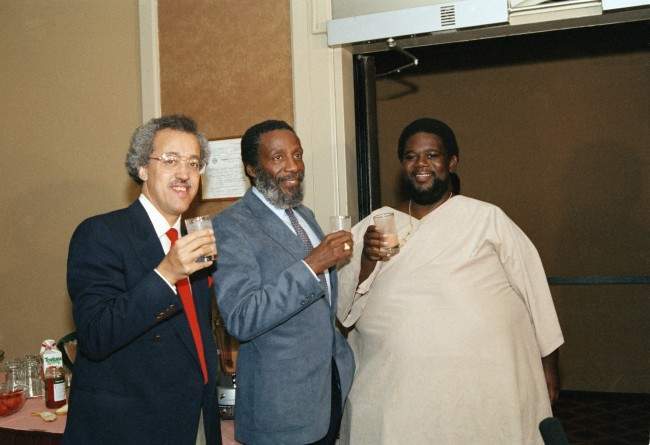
{"x":53,"y":375}
{"x":54,"y":387}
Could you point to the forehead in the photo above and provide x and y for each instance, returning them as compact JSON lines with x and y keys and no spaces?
{"x":168,"y":141}
{"x":284,"y":140}
{"x":424,"y":141}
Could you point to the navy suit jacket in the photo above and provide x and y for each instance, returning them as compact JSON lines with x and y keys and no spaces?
{"x":278,"y":310}
{"x":137,"y":378}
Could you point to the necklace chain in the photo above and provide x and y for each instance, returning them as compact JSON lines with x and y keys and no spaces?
{"x":406,"y":237}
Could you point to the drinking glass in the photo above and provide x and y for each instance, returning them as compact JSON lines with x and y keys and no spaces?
{"x":200,"y":223}
{"x":3,"y":368}
{"x":385,"y":223}
{"x":340,"y":222}
{"x":15,"y":374}
{"x":33,"y":380}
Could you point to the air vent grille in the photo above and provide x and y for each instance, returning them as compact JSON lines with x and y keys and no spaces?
{"x":448,"y":15}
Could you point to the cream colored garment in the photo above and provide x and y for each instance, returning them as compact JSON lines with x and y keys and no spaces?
{"x":448,"y":335}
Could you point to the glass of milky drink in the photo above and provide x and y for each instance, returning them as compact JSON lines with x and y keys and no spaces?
{"x":385,"y":223}
{"x":200,"y":223}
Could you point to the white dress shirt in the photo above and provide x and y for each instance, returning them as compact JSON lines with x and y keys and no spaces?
{"x":161,"y":226}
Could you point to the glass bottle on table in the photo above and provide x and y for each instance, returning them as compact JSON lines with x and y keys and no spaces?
{"x":53,"y":374}
{"x":54,"y":387}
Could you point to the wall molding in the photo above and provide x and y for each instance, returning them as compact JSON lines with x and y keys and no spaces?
{"x":323,"y":118}
{"x":149,"y":59}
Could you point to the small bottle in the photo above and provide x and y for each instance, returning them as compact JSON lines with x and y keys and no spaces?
{"x":54,"y":387}
{"x":53,"y":375}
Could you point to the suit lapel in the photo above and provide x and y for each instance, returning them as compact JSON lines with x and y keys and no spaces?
{"x":143,"y":237}
{"x":150,"y":252}
{"x":273,"y":226}
{"x":278,"y":231}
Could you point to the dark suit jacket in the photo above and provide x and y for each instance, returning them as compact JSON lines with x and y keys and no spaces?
{"x":276,"y":307}
{"x":137,"y":378}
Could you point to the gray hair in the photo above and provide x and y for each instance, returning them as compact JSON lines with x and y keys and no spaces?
{"x":142,"y":141}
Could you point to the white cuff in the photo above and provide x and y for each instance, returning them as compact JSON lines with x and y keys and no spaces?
{"x":171,"y":286}
{"x":311,"y":270}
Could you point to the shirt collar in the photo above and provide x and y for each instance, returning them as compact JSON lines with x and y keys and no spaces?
{"x":160,"y":224}
{"x":280,"y":212}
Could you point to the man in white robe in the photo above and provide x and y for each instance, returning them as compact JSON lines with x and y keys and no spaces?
{"x":456,"y":336}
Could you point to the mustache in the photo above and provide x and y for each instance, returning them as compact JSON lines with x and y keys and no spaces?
{"x":269,"y":186}
{"x":181,"y":182}
{"x":415,"y":173}
{"x":291,"y":177}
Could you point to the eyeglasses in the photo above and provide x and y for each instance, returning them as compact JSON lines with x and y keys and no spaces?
{"x":171,"y":161}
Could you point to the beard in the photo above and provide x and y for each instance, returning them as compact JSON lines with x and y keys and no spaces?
{"x":425,"y":196}
{"x":270,"y":188}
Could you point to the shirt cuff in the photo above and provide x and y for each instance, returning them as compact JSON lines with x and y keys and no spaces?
{"x":171,"y":286}
{"x":364,"y":287}
{"x":311,"y":270}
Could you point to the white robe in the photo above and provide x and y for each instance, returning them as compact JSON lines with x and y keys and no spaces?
{"x":448,"y":335}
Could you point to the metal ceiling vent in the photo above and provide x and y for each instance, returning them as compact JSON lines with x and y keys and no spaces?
{"x":448,"y":15}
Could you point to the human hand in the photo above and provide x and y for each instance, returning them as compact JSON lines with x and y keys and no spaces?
{"x":180,"y":262}
{"x":333,"y":249}
{"x":550,"y":364}
{"x":373,"y":241}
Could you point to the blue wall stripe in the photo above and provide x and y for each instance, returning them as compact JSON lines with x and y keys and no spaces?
{"x":599,"y":279}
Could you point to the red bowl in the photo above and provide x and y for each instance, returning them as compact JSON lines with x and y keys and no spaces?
{"x":11,"y":401}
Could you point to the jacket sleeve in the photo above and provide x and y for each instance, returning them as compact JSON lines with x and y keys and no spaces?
{"x":107,"y":312}
{"x":250,"y":302}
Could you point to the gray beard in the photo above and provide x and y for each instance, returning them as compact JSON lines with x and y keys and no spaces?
{"x":269,"y":187}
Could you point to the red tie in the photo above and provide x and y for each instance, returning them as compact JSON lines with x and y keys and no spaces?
{"x":185,"y":292}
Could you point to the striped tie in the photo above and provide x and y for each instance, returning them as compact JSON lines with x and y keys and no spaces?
{"x":307,"y":245}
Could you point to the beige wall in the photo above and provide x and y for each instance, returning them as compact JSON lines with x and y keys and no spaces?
{"x":70,"y":100}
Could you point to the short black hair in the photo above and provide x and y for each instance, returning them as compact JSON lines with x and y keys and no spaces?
{"x":440,"y":129}
{"x":431,"y":126}
{"x":250,"y":141}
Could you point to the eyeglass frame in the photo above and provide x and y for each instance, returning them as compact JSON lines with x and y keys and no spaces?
{"x":176,"y":160}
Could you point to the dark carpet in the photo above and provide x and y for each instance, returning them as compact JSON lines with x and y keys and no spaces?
{"x":600,"y":418}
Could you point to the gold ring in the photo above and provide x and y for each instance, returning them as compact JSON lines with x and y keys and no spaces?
{"x":346,"y":246}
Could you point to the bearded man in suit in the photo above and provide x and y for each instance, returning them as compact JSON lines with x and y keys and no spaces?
{"x":277,"y":292}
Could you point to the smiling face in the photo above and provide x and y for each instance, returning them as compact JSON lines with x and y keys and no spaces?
{"x":426,"y":167}
{"x":171,"y":189}
{"x":280,"y":169}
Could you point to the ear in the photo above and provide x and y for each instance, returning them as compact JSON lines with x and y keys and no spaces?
{"x":453,"y":163}
{"x":250,"y":170}
{"x":142,"y":173}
